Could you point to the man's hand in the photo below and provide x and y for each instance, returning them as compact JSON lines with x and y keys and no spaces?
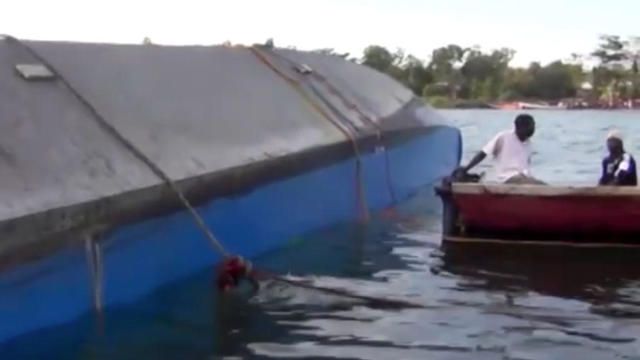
{"x":475,"y":161}
{"x":459,"y":173}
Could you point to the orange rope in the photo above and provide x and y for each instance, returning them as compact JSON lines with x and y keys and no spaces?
{"x":360,"y":195}
{"x":348,"y":104}
{"x":296,"y":84}
{"x":364,"y":117}
{"x":352,"y":106}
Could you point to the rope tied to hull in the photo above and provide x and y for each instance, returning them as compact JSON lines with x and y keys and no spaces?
{"x":296,"y":85}
{"x":139,"y":154}
{"x":233,"y":266}
{"x":352,"y":106}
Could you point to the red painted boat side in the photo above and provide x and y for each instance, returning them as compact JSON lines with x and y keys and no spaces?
{"x":594,"y":212}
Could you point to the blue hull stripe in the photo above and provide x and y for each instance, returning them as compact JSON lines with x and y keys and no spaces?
{"x":140,"y":257}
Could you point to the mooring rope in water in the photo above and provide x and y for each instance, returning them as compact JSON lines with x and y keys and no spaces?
{"x":95,"y":260}
{"x":371,"y":300}
{"x":296,"y":85}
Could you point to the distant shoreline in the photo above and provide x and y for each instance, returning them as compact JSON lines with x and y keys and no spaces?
{"x":440,"y":103}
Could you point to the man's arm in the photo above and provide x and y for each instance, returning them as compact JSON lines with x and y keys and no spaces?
{"x":603,"y":177}
{"x":492,"y":147}
{"x":620,"y":178}
{"x":477,"y":159}
{"x":623,"y":170}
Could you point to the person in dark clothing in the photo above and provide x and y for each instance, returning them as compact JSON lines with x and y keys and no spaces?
{"x":619,"y":167}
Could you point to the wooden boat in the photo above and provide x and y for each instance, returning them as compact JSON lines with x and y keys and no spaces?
{"x":521,"y":105}
{"x":537,"y":214}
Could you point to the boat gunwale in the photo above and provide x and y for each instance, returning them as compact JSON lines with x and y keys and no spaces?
{"x":449,"y":239}
{"x":544,"y":190}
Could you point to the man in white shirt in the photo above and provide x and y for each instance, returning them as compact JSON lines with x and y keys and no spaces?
{"x":511,"y":150}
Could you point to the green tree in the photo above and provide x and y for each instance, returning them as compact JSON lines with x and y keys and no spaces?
{"x":553,"y":82}
{"x":444,"y":67}
{"x":332,"y":52}
{"x":482,"y":66}
{"x":407,"y":69}
{"x":605,"y":78}
{"x":436,"y":89}
{"x":378,"y":57}
{"x":470,"y":73}
{"x":517,"y":84}
{"x":444,"y":61}
{"x":611,"y":49}
{"x":485,"y":72}
{"x":416,"y":74}
{"x":635,"y":91}
{"x":578,"y":75}
{"x":617,"y":74}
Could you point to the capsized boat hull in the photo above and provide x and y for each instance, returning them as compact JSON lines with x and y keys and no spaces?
{"x":266,"y":153}
{"x":141,"y":257}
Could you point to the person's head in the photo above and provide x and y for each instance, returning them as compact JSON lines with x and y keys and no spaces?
{"x":525,"y":126}
{"x":615,"y":144}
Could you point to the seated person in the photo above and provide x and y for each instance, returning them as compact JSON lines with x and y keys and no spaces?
{"x":511,"y":150}
{"x":619,"y":167}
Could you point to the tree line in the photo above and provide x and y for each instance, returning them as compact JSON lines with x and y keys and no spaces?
{"x":454,"y":73}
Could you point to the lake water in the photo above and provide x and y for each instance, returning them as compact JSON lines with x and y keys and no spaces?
{"x":486,"y":304}
{"x":568,"y":145}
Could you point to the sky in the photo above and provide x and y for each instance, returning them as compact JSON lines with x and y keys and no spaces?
{"x":539,"y":30}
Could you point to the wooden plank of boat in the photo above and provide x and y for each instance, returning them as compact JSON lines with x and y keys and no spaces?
{"x":539,"y":243}
{"x":536,"y":209}
{"x":544,"y":190}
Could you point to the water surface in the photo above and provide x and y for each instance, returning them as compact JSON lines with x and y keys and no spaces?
{"x":492,"y":303}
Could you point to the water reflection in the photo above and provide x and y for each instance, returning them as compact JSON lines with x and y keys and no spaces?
{"x":607,"y":279}
{"x":480,"y":303}
{"x":484,"y":303}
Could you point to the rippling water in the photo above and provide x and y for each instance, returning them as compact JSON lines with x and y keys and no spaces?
{"x":494,"y":303}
